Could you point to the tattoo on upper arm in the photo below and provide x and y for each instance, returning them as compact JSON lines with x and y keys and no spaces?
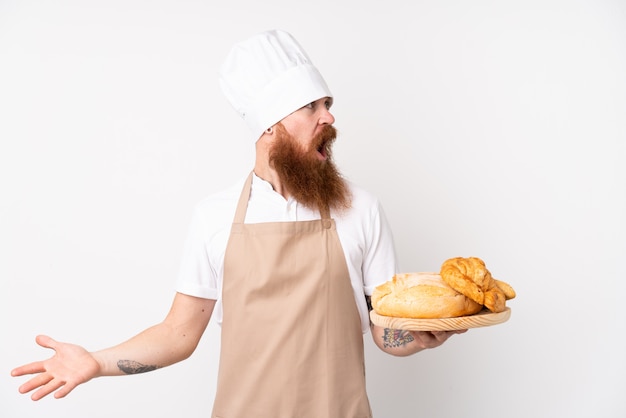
{"x":393,"y":338}
{"x":134,"y":367}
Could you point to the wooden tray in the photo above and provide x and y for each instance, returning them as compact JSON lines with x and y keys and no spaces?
{"x":484,"y":318}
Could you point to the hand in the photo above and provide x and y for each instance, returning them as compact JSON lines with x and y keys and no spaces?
{"x":432,"y":339}
{"x":70,"y":366}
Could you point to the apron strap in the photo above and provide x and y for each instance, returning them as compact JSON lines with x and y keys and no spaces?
{"x":242,"y":205}
{"x":325,"y":214}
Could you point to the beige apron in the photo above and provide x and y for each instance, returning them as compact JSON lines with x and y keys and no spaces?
{"x":292,"y":345}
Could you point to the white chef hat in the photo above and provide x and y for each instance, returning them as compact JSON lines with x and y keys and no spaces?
{"x":268,"y":77}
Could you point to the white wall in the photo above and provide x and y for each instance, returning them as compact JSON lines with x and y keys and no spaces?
{"x":487,"y":128}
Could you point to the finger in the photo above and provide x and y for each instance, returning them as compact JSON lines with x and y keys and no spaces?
{"x":45,"y":390}
{"x":35,"y":382}
{"x":431,"y":339}
{"x":441,"y":336}
{"x":36,"y":367}
{"x":426,"y":339}
{"x":64,"y":390}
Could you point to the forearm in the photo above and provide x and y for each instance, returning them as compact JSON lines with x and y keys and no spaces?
{"x":164,"y":344}
{"x":395,"y":342}
{"x":156,"y":347}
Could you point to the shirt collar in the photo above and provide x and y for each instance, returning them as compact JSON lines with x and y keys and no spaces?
{"x":260,"y":185}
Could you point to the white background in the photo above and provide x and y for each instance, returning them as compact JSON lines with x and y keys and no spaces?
{"x":487,"y":128}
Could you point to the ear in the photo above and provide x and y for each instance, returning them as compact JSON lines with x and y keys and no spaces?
{"x":268,"y":136}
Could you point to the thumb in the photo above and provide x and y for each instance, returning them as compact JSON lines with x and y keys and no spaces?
{"x":46,"y":342}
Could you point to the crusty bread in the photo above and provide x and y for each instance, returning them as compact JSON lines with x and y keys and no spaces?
{"x":421,"y":295}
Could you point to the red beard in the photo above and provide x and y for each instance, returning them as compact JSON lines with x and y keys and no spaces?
{"x":312,"y":181}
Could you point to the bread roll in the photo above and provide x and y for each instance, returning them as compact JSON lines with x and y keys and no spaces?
{"x":421,"y":295}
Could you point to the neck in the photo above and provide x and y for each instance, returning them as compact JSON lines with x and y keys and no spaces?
{"x":263,"y":169}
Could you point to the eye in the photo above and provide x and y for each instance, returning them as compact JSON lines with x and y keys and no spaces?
{"x":310,"y":105}
{"x":328,"y":103}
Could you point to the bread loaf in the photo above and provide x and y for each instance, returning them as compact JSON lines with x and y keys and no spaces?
{"x":421,"y":295}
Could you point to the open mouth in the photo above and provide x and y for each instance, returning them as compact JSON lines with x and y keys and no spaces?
{"x":321,"y":150}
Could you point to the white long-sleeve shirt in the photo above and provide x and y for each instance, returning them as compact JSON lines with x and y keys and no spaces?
{"x":363,"y":231}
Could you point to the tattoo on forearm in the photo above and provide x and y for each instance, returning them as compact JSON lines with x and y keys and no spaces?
{"x":394,"y":338}
{"x":134,"y":367}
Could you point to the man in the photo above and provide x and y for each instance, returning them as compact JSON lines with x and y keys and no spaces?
{"x":284,"y":261}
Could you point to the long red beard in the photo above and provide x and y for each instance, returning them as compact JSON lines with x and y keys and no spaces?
{"x":315,"y":183}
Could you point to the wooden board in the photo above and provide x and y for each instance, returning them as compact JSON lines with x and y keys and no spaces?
{"x":483,"y":318}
